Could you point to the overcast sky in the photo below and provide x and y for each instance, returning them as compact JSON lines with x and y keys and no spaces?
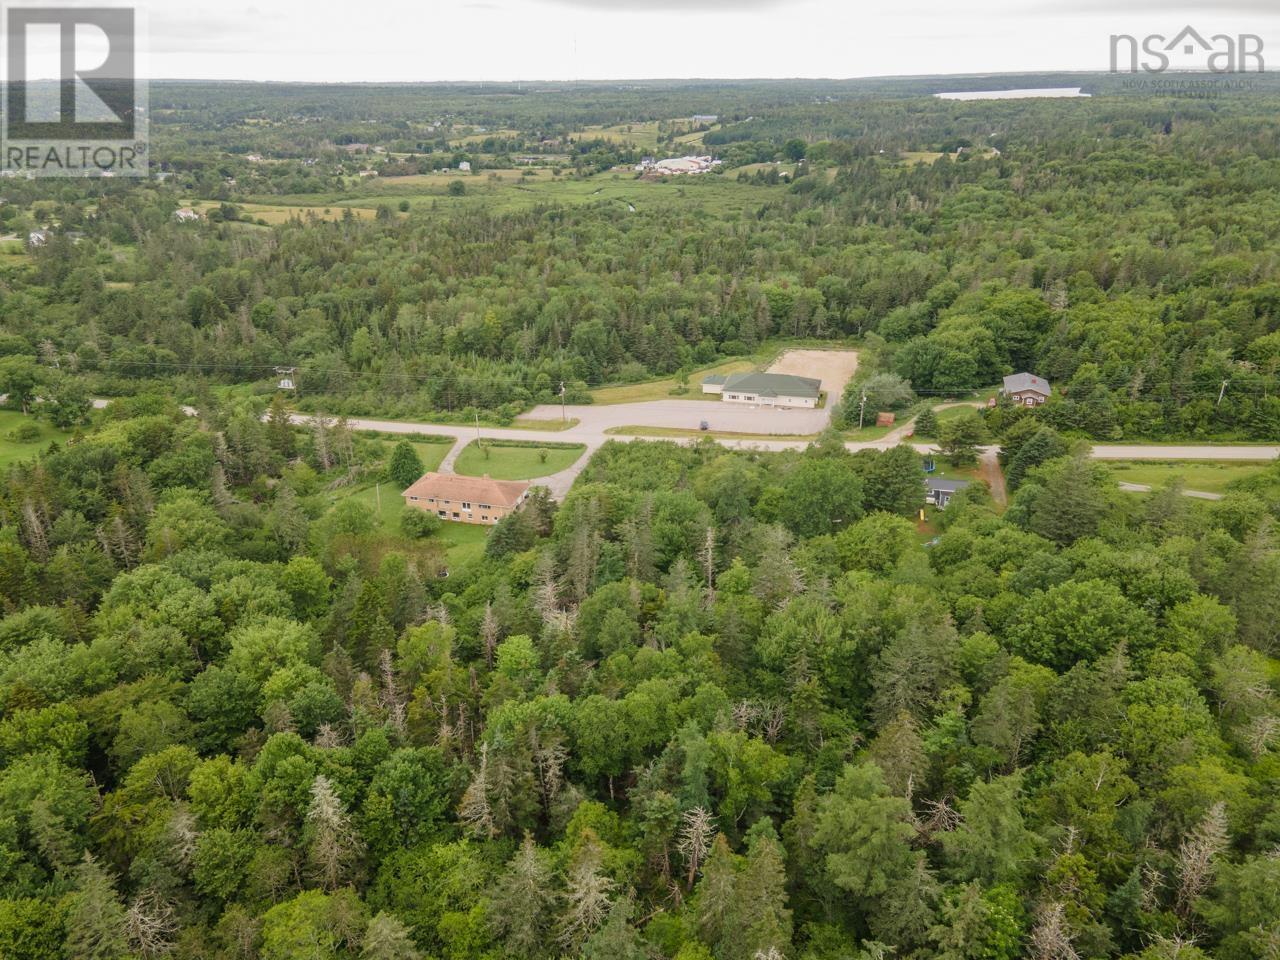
{"x":404,"y":40}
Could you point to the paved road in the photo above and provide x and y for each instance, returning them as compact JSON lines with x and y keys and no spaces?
{"x":591,"y":433}
{"x":688,"y":415}
{"x":1146,"y":488}
{"x":593,"y":437}
{"x":1182,"y":451}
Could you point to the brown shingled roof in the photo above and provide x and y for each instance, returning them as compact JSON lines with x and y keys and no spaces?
{"x":450,"y":486}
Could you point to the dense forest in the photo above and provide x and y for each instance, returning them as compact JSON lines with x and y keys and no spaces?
{"x":715,"y":705}
{"x":1121,"y":248}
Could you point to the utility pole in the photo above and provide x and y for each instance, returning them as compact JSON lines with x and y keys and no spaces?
{"x":563,"y":418}
{"x":377,"y":491}
{"x":477,"y":428}
{"x":1222,"y":393}
{"x":862,"y":406}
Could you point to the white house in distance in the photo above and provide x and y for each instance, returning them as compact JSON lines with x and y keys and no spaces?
{"x":766,"y":389}
{"x":1027,"y":389}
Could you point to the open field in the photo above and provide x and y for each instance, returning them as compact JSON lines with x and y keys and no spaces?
{"x":274,"y":214}
{"x":919,"y":156}
{"x":481,"y":137}
{"x":711,"y":194}
{"x":13,"y":253}
{"x":441,"y":181}
{"x":1206,"y":476}
{"x":12,"y":451}
{"x":516,"y":462}
{"x":643,"y":135}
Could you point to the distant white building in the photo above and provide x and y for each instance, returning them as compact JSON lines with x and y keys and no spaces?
{"x":465,"y":166}
{"x":681,"y":166}
{"x":187,"y":215}
{"x":705,"y":118}
{"x":37,"y":238}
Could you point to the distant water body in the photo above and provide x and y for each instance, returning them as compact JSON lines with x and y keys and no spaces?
{"x":1012,"y":94}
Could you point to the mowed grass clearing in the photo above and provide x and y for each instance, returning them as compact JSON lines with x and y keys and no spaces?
{"x":12,"y":451}
{"x":709,"y":193}
{"x":1206,"y":476}
{"x":661,"y":389}
{"x":440,"y":181}
{"x":431,"y":453}
{"x":515,"y":462}
{"x":275,"y":214}
{"x":463,"y":542}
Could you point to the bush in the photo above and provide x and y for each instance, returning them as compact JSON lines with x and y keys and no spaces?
{"x":418,"y":524}
{"x":24,"y":433}
{"x":927,"y":423}
{"x":405,"y":466}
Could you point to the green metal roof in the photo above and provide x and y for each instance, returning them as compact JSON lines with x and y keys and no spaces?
{"x":774,"y":385}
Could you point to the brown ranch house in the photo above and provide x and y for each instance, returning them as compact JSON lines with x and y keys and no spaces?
{"x":466,"y":499}
{"x":1026,"y":389}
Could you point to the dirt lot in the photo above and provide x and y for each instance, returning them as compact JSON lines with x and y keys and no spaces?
{"x":833,"y":367}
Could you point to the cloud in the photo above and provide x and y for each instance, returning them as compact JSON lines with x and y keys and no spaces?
{"x":691,"y":6}
{"x":1196,"y":9}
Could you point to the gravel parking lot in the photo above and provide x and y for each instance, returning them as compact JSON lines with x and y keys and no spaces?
{"x":835,"y":368}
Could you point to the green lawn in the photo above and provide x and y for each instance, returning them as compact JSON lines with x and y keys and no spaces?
{"x":430,"y":452}
{"x":661,"y":389}
{"x":1204,"y":475}
{"x":13,"y":452}
{"x":869,"y":433}
{"x":466,"y":541}
{"x":515,"y":463}
{"x":952,"y":413}
{"x":709,"y":192}
{"x":463,"y":541}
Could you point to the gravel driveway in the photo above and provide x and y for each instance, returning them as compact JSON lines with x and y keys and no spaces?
{"x":835,"y":368}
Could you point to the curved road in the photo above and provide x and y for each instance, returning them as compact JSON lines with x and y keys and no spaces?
{"x":594,"y":423}
{"x":593,"y":436}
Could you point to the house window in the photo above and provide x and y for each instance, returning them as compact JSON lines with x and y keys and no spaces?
{"x":485,"y":506}
{"x":455,"y":516}
{"x":414,"y":499}
{"x":484,"y":516}
{"x":466,"y":505}
{"x":442,"y":514}
{"x":431,"y":499}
